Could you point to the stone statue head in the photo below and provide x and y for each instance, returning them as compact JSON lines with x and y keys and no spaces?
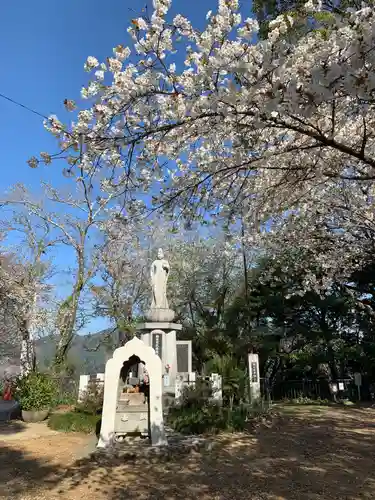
{"x":160,"y":253}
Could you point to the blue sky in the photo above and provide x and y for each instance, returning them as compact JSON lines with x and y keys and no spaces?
{"x":43,"y":46}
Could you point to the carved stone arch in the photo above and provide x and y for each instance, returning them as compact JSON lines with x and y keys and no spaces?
{"x":147,"y":355}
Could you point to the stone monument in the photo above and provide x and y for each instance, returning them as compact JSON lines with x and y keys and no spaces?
{"x":159,"y":331}
{"x":120,"y":416}
{"x":254,"y":377}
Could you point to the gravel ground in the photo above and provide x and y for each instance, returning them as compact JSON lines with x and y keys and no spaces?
{"x":309,"y":453}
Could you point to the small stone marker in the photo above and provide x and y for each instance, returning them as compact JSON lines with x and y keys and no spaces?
{"x":254,"y":378}
{"x":217,"y":392}
{"x":166,"y":380}
{"x":178,"y":389}
{"x":358,"y":383}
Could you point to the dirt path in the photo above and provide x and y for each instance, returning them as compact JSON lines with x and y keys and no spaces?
{"x":312,"y":453}
{"x":32,"y":453}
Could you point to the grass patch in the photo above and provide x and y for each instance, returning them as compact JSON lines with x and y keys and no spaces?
{"x":308,"y":401}
{"x":74,"y":421}
{"x":347,"y":402}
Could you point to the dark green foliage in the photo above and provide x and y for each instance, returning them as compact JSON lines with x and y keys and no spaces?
{"x":234,"y":378}
{"x":36,"y":391}
{"x":208,"y":419}
{"x":198,"y":414}
{"x":297,"y":335}
{"x":92,"y":399}
{"x":74,"y":422}
{"x":211,"y":419}
{"x":267,"y":10}
{"x":197,"y":395}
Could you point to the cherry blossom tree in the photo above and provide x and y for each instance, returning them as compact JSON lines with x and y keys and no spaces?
{"x":122,"y":289}
{"x":12,"y":299}
{"x":205,"y":272}
{"x":25,"y":272}
{"x":266,"y":129}
{"x":72,"y":219}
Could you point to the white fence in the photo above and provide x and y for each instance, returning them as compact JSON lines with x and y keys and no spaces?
{"x":181,"y":382}
{"x":84,"y":381}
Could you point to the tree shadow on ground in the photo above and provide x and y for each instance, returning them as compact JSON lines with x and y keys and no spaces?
{"x":11,"y":427}
{"x":308,"y":456}
{"x":19,"y":473}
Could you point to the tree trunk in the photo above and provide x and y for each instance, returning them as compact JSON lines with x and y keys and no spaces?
{"x":67,"y":318}
{"x":28,"y":355}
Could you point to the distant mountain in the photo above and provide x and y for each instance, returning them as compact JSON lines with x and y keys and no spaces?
{"x":87,"y":355}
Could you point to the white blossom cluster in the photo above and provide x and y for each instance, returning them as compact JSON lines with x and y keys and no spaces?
{"x":265,"y":129}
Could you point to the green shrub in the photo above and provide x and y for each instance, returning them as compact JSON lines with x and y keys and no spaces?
{"x":193,"y":420}
{"x":68,"y":390}
{"x":66,"y":399}
{"x":214,"y":418}
{"x":74,"y":421}
{"x":91,"y":400}
{"x":347,"y":402}
{"x":234,"y":378}
{"x":196,"y":395}
{"x":36,"y":391}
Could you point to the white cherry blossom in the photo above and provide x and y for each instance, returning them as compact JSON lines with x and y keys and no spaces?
{"x":262,"y":129}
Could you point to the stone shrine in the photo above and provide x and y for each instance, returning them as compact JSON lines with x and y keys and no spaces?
{"x":159,"y":331}
{"x":126,"y":409}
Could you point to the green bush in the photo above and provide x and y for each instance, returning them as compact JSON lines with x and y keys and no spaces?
{"x":66,"y":399}
{"x":213,"y":418}
{"x":195,"y":420}
{"x":234,"y":378}
{"x":91,"y":401}
{"x":36,"y":391}
{"x":68,"y":390}
{"x":196,"y":395}
{"x":74,"y":421}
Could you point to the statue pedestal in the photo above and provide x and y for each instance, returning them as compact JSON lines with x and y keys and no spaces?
{"x":161,"y":336}
{"x":159,"y":315}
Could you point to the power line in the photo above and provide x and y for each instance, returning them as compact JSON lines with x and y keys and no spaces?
{"x":23,"y":106}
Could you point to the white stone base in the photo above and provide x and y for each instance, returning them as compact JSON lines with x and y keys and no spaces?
{"x":159,"y":315}
{"x":153,"y":325}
